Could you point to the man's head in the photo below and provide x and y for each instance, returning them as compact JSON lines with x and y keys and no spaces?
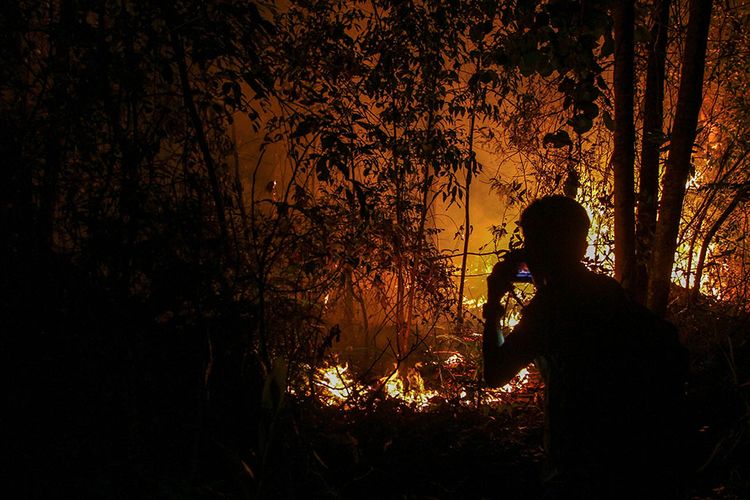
{"x":554,"y":229}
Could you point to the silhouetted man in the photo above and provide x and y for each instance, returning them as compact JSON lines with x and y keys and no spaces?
{"x":611,"y":368}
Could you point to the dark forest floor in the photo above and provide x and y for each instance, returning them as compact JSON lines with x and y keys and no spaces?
{"x":391,"y":452}
{"x":386,"y":450}
{"x":394,"y":452}
{"x":448,"y":452}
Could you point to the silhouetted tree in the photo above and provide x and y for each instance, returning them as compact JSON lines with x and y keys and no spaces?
{"x":677,"y":167}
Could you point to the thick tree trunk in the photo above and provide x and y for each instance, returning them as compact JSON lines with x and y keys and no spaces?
{"x":653,"y":110}
{"x":623,"y":157}
{"x":678,"y":163}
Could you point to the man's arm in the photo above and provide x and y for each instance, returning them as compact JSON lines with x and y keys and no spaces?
{"x":503,"y":359}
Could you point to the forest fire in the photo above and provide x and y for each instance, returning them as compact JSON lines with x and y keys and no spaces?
{"x":250,"y":241}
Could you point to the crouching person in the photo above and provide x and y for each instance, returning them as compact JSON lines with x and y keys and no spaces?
{"x":613,"y":371}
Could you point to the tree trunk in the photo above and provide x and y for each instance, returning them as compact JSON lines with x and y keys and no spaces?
{"x":623,"y":157}
{"x":470,"y":165}
{"x":402,"y":336}
{"x":200,"y":135}
{"x":678,"y":163}
{"x":467,"y":223}
{"x":653,"y":109}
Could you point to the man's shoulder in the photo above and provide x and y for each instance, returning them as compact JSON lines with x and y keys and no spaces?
{"x":590,"y":291}
{"x":601,"y":280}
{"x":602,"y":286}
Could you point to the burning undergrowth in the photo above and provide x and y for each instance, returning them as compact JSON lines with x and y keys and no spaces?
{"x":411,"y":436}
{"x":336,"y":384}
{"x":439,"y":377}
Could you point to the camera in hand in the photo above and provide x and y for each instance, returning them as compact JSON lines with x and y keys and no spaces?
{"x":523,"y":275}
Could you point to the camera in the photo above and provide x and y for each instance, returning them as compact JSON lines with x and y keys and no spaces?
{"x":523,"y":275}
{"x":518,"y":258}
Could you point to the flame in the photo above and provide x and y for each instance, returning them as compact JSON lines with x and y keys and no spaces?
{"x":473,"y":303}
{"x":335,"y":384}
{"x":513,"y":318}
{"x":411,"y":390}
{"x":519,"y":384}
{"x":336,"y":387}
{"x":518,"y":381}
{"x":694,"y":181}
{"x":518,"y":387}
{"x":454,"y":360}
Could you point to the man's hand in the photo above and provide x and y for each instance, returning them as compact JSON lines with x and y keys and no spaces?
{"x":500,"y":281}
